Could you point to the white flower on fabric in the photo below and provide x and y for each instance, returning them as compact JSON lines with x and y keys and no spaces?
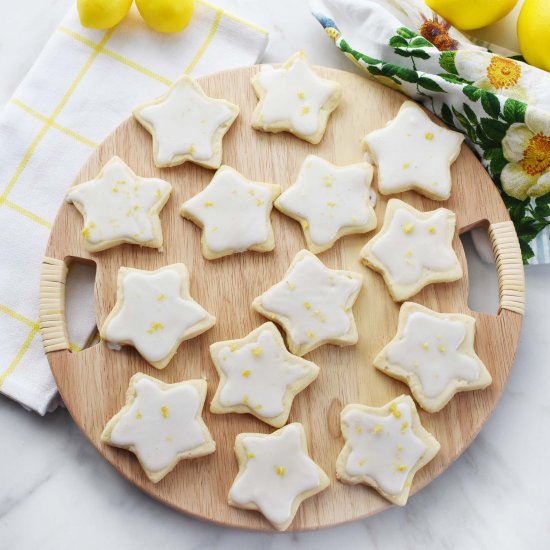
{"x":503,"y":76}
{"x":527,"y":147}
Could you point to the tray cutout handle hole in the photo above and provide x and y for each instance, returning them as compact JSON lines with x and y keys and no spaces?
{"x":483,"y":294}
{"x":80,"y":314}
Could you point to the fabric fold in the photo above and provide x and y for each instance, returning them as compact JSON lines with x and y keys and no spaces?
{"x":500,"y":103}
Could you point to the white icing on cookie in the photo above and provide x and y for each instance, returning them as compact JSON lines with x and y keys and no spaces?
{"x":294,"y":98}
{"x":412,"y":152}
{"x":434,"y":354}
{"x":277,"y":470}
{"x":259,"y":373}
{"x":313,"y":303}
{"x":186,"y":124}
{"x":154,"y":312}
{"x":383,"y":448}
{"x":411,"y":245}
{"x":160,"y":424}
{"x":429,"y":349}
{"x":119,"y":206}
{"x":330,"y":201}
{"x":234,"y":214}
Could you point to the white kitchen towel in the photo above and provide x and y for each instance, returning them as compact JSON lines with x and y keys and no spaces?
{"x":84,"y":83}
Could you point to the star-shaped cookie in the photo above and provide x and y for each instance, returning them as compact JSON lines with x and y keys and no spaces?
{"x":259,"y":376}
{"x":434,"y":354}
{"x":161,"y":424}
{"x":275,"y":474}
{"x":294,"y":99}
{"x":329,"y":201}
{"x":234,"y":214}
{"x":155,"y":313}
{"x":120,"y":207}
{"x":412,"y":152}
{"x":413,"y":249}
{"x":186,"y":124}
{"x":385,"y":447}
{"x":313,"y":304}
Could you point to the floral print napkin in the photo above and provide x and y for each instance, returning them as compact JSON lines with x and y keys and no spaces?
{"x":497,"y":100}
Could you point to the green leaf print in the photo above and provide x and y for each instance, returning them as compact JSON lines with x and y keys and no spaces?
{"x":408,"y":75}
{"x":447,"y":62}
{"x":471,"y":92}
{"x":452,"y":78}
{"x":346,"y":48}
{"x":468,"y":111}
{"x":514,"y":111}
{"x":490,"y":104}
{"x":494,"y":129}
{"x":398,"y":42}
{"x":421,"y":54}
{"x":447,"y":115}
{"x":430,"y":84}
{"x":545,"y":199}
{"x":420,"y":42}
{"x":406,"y":33}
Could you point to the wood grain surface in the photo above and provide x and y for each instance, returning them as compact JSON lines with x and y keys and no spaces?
{"x":94,"y":381}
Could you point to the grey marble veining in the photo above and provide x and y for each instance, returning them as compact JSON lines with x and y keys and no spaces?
{"x":56,"y":492}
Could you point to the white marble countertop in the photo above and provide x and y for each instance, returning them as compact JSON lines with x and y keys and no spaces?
{"x":56,"y":492}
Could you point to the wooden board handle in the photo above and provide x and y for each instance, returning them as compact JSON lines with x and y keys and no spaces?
{"x":511,"y":278}
{"x":53,"y":328}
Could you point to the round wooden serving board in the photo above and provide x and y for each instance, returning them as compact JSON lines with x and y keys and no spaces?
{"x":93,"y":382}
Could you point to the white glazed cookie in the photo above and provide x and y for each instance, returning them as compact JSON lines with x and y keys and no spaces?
{"x":120,"y":207}
{"x":259,"y":376}
{"x":155,"y":313}
{"x":412,"y":152}
{"x":276,"y":474}
{"x":161,"y":424}
{"x":186,"y":124}
{"x":294,"y":99}
{"x":234,"y":214}
{"x":385,"y":447}
{"x":313,"y":304}
{"x":434,"y":354}
{"x":329,"y":201}
{"x":413,"y":249}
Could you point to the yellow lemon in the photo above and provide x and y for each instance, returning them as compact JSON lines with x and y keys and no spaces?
{"x":534,"y":33}
{"x":472,"y":14}
{"x":166,"y":15}
{"x":102,"y":14}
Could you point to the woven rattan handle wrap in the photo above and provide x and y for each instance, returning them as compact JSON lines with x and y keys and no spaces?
{"x":52,"y":305}
{"x":511,"y":279}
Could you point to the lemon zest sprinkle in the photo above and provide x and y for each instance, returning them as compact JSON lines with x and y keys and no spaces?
{"x":395,"y":411}
{"x":155,"y":327}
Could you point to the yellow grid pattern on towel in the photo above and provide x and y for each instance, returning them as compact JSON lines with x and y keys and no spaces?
{"x":50,"y":122}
